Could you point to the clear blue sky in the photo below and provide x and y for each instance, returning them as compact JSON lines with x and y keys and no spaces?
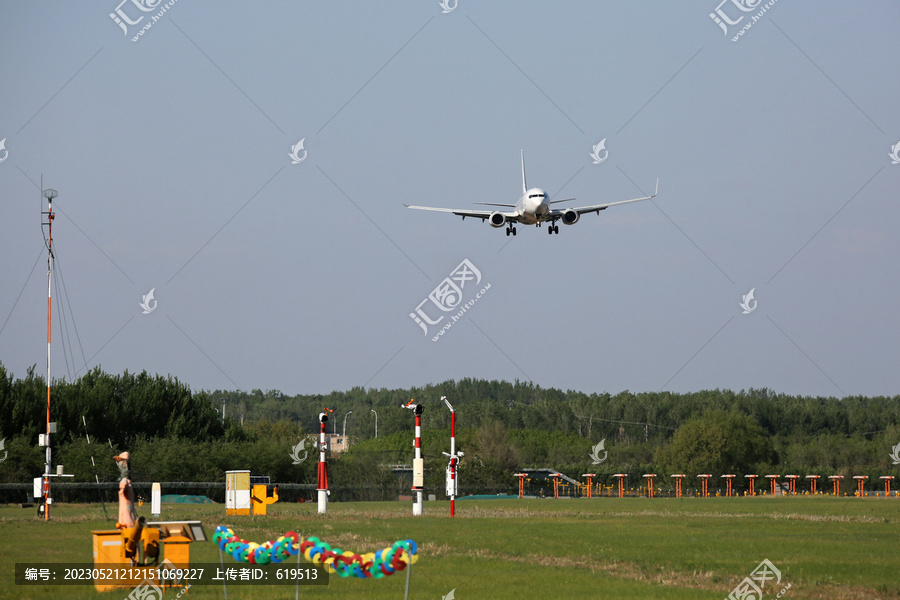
{"x":171,"y":159}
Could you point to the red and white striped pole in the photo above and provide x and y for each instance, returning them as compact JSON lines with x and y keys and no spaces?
{"x":418,"y":486}
{"x":322,"y":487}
{"x":49,"y":195}
{"x":452,"y":468}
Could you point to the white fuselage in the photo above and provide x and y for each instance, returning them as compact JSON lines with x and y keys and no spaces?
{"x":533,"y":206}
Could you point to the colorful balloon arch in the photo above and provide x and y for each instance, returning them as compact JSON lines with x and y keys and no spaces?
{"x":371,"y":565}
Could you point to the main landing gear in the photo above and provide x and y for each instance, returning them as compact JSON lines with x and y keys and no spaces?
{"x":511,"y":229}
{"x":553,"y":229}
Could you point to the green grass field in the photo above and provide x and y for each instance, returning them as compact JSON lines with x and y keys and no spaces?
{"x":825,"y":547}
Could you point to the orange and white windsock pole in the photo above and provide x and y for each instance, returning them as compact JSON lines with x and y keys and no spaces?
{"x":453,"y":467}
{"x":418,"y":486}
{"x":322,"y":487}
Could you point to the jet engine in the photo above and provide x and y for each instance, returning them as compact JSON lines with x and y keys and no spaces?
{"x":570,"y":217}
{"x":498,"y":219}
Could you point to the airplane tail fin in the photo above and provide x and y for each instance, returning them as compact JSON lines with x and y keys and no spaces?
{"x":524,"y":186}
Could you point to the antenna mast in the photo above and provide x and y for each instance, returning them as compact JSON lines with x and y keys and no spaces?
{"x":49,"y":194}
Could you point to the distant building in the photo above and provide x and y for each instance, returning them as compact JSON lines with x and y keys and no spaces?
{"x":335,"y":443}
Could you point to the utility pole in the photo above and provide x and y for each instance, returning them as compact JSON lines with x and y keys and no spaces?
{"x":376,"y":422}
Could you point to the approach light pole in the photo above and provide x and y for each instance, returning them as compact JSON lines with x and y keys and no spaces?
{"x":418,"y":483}
{"x":376,"y":422}
{"x":453,"y":467}
{"x":344,"y":430}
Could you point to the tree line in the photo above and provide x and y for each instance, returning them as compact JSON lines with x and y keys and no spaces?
{"x":176,"y":434}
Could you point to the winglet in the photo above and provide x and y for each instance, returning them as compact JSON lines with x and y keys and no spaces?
{"x":657,"y":187}
{"x":524,"y":187}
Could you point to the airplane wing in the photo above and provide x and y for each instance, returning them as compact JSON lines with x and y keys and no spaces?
{"x":478,"y":214}
{"x":598,"y":207}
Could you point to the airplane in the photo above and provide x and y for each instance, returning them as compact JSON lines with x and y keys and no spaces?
{"x":533,"y":208}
